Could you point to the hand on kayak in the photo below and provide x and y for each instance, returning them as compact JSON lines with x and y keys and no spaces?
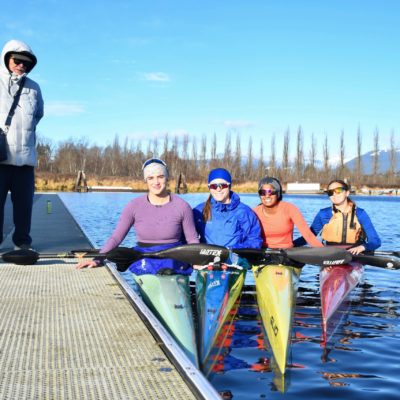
{"x":356,"y":250}
{"x":86,"y":264}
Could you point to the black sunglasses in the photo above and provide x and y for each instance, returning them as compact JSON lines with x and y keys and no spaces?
{"x":338,"y":190}
{"x":215,"y":186}
{"x":267,"y":192}
{"x":18,"y":61}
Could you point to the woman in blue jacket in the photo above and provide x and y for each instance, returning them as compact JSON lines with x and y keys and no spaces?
{"x":344,"y":223}
{"x":223,"y":219}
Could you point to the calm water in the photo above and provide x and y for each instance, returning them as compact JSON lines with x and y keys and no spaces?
{"x":363,"y":362}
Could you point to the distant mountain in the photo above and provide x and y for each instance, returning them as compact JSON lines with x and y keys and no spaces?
{"x":367,"y":161}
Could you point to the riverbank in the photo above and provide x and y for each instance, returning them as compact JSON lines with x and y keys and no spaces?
{"x":66,"y":183}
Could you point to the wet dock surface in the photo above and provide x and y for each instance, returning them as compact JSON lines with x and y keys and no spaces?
{"x":73,"y":334}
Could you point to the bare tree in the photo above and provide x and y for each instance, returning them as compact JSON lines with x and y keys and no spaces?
{"x":113,"y":160}
{"x":299,"y":161}
{"x":285,"y":156}
{"x":393,"y":160}
{"x":193,"y":161}
{"x":311,"y":170}
{"x":155,"y":147}
{"x":164,"y":155}
{"x":236,"y":168}
{"x":261,"y":164}
{"x":325,"y":152}
{"x":342,"y":155}
{"x":203,"y":156}
{"x":272,"y":167}
{"x":185,"y":154}
{"x":375,"y":163}
{"x":249,"y":164}
{"x":214,"y":159}
{"x":228,"y":151}
{"x":359,"y":167}
{"x":45,"y":150}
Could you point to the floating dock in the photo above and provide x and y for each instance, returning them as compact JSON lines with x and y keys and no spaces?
{"x":82,"y":334}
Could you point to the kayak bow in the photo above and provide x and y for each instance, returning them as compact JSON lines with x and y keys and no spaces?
{"x":336,"y":283}
{"x":276,"y":287}
{"x":168,"y":297}
{"x":216,"y":293}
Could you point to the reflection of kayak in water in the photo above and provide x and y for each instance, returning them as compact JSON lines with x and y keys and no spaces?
{"x":336,"y":282}
{"x":168,"y":296}
{"x":217,"y":291}
{"x":276,"y":287}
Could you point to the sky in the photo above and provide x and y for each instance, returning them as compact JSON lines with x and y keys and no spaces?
{"x":141,"y":69}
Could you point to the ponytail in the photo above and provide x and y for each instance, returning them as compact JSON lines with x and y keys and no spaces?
{"x":207,"y":209}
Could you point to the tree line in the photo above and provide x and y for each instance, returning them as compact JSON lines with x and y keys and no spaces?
{"x":193,"y":157}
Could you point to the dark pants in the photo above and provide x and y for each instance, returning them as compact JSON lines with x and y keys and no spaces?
{"x":20,"y":181}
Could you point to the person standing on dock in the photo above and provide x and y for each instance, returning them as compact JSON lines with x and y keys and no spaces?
{"x":21,"y":108}
{"x":343,"y":223}
{"x":161,"y":220}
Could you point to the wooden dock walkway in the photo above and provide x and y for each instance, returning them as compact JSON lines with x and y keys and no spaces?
{"x":73,"y":334}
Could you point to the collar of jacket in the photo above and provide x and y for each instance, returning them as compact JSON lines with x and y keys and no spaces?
{"x":220,"y":207}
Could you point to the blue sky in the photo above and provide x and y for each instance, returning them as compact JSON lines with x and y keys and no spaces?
{"x":141,"y":69}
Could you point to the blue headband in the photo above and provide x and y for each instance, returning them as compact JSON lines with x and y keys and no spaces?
{"x":220,"y":173}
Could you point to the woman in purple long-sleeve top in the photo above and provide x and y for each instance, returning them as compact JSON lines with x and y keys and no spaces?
{"x":161,"y":220}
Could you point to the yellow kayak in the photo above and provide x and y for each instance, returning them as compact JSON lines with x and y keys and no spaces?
{"x":276,"y":287}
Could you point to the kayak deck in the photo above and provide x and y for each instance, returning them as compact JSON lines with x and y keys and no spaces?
{"x":336,"y":282}
{"x":216,"y":294}
{"x":276,"y":287}
{"x":168,"y":296}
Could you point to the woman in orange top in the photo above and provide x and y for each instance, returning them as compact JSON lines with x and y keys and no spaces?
{"x":278,"y":217}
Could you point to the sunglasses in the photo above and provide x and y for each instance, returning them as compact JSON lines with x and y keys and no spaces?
{"x":151,"y":161}
{"x":215,"y":186}
{"x":18,"y":61}
{"x":267,"y":192}
{"x":338,"y":190}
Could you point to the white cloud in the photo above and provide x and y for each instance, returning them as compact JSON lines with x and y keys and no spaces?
{"x":156,"y":77}
{"x":238,"y":124}
{"x":63,"y":108}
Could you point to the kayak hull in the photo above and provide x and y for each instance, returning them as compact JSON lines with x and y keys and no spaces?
{"x":217,"y":292}
{"x":336,"y":282}
{"x":276,"y":287}
{"x":168,"y":297}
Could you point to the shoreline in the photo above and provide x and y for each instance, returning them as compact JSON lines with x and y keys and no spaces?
{"x":63,"y":183}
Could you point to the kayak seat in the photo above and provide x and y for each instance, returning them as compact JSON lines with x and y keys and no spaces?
{"x":166,"y":271}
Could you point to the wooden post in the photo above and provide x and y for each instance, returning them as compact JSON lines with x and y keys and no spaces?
{"x":181,"y":181}
{"x":81,"y":183}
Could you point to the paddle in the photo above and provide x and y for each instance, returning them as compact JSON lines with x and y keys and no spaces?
{"x":385,"y":253}
{"x":30,"y":257}
{"x":377,"y":261}
{"x":201,"y":254}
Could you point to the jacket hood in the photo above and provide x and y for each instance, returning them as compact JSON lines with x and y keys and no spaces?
{"x":16,"y":46}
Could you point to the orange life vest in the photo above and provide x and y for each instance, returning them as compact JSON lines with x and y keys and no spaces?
{"x":343,"y":228}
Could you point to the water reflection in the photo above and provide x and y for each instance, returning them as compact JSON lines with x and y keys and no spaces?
{"x":362,"y":358}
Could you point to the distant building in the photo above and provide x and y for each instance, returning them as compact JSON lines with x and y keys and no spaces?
{"x":303,"y":188}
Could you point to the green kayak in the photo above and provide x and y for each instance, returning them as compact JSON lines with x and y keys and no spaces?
{"x":168,"y":297}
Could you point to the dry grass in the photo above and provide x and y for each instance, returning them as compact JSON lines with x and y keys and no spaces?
{"x":66,"y":183}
